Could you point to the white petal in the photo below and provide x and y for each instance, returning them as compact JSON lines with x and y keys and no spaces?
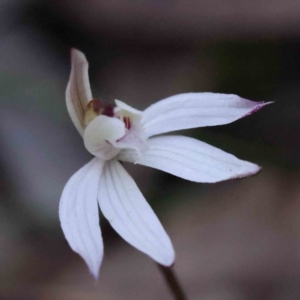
{"x":78,"y":92}
{"x":191,"y":159}
{"x":131,"y":216}
{"x":79,"y":217}
{"x":101,"y":136}
{"x":196,"y":110}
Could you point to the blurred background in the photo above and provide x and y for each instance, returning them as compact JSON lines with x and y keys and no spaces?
{"x":234,"y":240}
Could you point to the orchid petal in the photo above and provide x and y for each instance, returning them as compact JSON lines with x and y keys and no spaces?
{"x":79,"y":217}
{"x":131,"y":216}
{"x":191,"y":159}
{"x":78,"y":93}
{"x":196,"y":110}
{"x":101,"y":136}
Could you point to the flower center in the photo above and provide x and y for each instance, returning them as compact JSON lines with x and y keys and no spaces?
{"x":95,"y":108}
{"x":110,"y":129}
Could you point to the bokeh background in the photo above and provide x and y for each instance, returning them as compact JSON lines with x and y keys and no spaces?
{"x":237,"y":240}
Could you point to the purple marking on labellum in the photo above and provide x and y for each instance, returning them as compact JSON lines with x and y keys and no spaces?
{"x":127,"y":122}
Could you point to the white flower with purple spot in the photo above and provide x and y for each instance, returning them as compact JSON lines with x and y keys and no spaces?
{"x":122,"y":133}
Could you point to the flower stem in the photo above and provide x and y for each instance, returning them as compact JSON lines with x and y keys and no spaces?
{"x":172,"y":282}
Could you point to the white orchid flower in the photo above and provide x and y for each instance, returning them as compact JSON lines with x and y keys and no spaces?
{"x":122,"y":133}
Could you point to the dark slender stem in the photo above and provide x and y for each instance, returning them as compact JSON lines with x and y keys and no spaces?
{"x":172,"y":282}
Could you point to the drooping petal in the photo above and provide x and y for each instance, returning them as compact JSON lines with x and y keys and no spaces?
{"x":101,"y":136}
{"x":131,"y":216}
{"x":193,"y":110}
{"x":79,"y":217}
{"x":78,"y":92}
{"x":191,"y":159}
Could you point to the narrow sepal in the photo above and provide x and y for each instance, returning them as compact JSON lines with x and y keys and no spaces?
{"x":191,"y":159}
{"x":79,"y":217}
{"x":78,"y":92}
{"x":193,"y":110}
{"x":128,"y":212}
